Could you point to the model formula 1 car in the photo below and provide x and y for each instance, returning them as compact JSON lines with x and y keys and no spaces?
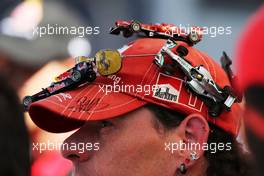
{"x":80,"y":73}
{"x":198,"y":79}
{"x":163,"y":30}
{"x":105,"y":62}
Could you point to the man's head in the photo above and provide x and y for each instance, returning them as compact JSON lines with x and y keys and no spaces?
{"x":134,"y":143}
{"x":126,"y":134}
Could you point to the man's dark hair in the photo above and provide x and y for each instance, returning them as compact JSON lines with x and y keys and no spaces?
{"x":14,"y":138}
{"x":232,"y":162}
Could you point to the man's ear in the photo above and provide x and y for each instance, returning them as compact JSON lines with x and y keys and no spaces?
{"x":194,"y":131}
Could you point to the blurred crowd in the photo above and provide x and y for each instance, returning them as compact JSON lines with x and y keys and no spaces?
{"x":29,"y":63}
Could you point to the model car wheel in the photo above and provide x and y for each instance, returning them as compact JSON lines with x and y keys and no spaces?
{"x":135,"y":26}
{"x":127,"y":33}
{"x":182,"y":51}
{"x":76,"y":76}
{"x":115,"y":31}
{"x":215,"y":110}
{"x":27,"y":101}
{"x":91,"y":76}
{"x":194,"y":38}
{"x":168,"y":69}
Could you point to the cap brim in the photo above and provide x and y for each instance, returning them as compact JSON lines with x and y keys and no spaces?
{"x":69,"y":110}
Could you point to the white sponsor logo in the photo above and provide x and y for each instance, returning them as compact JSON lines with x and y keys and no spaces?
{"x":63,"y":96}
{"x":166,"y":92}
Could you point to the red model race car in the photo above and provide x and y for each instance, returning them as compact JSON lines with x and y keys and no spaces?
{"x":162,"y":30}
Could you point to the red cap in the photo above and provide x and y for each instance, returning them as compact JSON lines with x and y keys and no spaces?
{"x":67,"y":111}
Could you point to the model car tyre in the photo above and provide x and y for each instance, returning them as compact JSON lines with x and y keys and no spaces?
{"x":215,"y":110}
{"x":91,"y":76}
{"x":182,"y":51}
{"x":168,"y":69}
{"x":127,"y":33}
{"x":76,"y":76}
{"x":194,"y":37}
{"x":27,"y":101}
{"x":135,"y":26}
{"x":115,"y":31}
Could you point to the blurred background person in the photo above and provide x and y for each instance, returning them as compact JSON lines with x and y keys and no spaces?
{"x":14,"y":139}
{"x":29,"y":61}
{"x":250,"y":67}
{"x":23,"y":50}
